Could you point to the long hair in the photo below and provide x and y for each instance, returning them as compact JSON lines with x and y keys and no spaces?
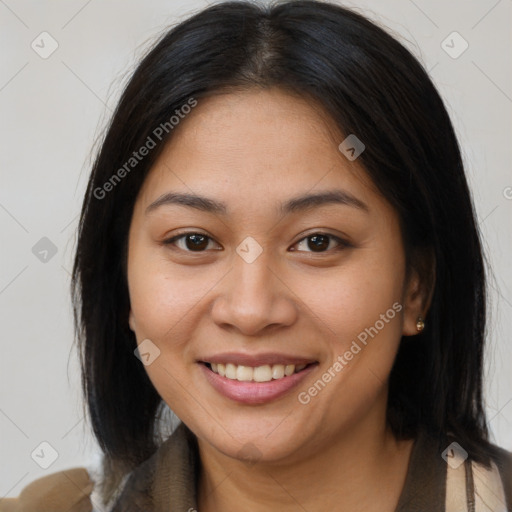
{"x":372,"y":86}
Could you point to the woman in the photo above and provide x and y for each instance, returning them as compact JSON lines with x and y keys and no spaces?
{"x":278,"y":244}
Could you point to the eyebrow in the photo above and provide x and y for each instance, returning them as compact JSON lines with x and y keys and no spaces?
{"x":296,"y":204}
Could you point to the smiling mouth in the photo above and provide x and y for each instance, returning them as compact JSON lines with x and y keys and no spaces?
{"x":264,"y":373}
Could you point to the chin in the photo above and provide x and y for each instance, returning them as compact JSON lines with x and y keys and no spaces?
{"x":257,"y":442}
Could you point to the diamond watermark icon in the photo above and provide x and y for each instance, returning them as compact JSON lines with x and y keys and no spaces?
{"x":147,"y":352}
{"x":44,"y":250}
{"x":454,"y":45}
{"x":454,"y":455}
{"x":352,"y":147}
{"x":44,"y":45}
{"x":249,"y":453}
{"x":249,"y":249}
{"x":44,"y":455}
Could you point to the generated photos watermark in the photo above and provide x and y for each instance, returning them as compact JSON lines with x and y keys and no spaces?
{"x":136,"y":157}
{"x":305,"y":397}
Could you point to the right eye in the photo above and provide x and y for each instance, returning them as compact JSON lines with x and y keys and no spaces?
{"x":190,"y":242}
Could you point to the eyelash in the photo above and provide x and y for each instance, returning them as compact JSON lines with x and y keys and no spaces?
{"x":342,"y":244}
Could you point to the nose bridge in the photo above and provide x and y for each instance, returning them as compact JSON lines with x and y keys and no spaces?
{"x":253,"y":280}
{"x":251,"y":263}
{"x":253,"y":297}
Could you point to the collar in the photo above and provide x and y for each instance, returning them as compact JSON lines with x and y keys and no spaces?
{"x":167,"y":481}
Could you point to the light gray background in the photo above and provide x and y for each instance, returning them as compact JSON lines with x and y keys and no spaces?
{"x":52,"y":109}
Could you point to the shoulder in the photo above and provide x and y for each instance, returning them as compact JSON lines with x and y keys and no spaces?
{"x":64,"y":491}
{"x":166,"y":479}
{"x":487,"y":484}
{"x":443,"y":476}
{"x":502,"y":468}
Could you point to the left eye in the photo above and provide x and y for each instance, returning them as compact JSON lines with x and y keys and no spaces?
{"x":320,"y":242}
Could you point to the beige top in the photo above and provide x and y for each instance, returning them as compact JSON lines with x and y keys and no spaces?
{"x":68,"y":490}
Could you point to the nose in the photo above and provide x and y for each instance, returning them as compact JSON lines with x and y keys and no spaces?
{"x":254,"y":298}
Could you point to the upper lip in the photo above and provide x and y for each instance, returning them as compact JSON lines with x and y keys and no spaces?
{"x":256,"y":359}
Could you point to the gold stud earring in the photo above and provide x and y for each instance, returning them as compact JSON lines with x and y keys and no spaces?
{"x":420,"y":324}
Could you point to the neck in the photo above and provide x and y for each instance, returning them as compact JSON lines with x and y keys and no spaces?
{"x":364,"y":468}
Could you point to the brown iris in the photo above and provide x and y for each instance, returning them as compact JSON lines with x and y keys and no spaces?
{"x":196,"y":242}
{"x":318,"y":242}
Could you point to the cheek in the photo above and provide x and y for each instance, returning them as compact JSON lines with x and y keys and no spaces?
{"x":368,"y":322}
{"x":160,"y":299}
{"x":352,"y":297}
{"x":360,"y":307}
{"x":160,"y":306}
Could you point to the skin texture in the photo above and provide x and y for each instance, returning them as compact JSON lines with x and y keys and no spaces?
{"x":253,"y":150}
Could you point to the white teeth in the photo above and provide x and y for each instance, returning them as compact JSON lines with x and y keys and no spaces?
{"x":230,"y":371}
{"x":263,"y":373}
{"x":277,"y":371}
{"x":289,"y":369}
{"x":244,"y":373}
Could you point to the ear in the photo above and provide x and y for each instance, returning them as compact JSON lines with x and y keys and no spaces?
{"x":418,"y":291}
{"x":131,"y":321}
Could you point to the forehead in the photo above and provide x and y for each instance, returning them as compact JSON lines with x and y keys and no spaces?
{"x":265,"y":144}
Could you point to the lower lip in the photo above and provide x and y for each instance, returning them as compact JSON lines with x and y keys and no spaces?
{"x":255,"y":392}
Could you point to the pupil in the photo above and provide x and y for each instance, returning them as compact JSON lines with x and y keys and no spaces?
{"x":198,"y":242}
{"x":320,"y":242}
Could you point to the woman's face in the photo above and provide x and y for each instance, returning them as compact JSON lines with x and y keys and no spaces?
{"x":267,"y":279}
